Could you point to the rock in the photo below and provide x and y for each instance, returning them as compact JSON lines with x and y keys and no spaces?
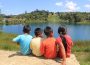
{"x":14,"y":58}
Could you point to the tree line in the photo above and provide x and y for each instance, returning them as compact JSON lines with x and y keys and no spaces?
{"x":42,"y":16}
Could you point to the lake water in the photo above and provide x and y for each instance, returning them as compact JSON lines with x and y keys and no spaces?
{"x":77,"y":32}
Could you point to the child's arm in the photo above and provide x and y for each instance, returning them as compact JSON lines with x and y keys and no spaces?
{"x":62,"y":49}
{"x":63,"y":54}
{"x":16,"y":39}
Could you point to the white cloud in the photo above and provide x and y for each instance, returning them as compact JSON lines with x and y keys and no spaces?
{"x":87,"y":5}
{"x":71,"y":6}
{"x":68,"y":5}
{"x":59,"y":3}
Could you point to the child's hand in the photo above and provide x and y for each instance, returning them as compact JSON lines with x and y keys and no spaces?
{"x":17,"y":43}
{"x":58,"y":48}
{"x":63,"y":63}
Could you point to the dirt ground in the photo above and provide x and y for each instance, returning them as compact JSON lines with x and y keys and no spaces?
{"x":14,"y":58}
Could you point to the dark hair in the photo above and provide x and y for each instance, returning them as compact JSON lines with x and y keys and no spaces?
{"x":38,"y":31}
{"x":26,"y":29}
{"x":62,"y":30}
{"x":48,"y":31}
{"x":64,"y":42}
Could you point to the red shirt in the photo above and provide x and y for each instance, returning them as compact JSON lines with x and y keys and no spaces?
{"x":69,"y":45}
{"x":48,"y":48}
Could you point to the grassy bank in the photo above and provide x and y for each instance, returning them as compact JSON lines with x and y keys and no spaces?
{"x":6,"y":42}
{"x":82,"y":51}
{"x":81,"y":48}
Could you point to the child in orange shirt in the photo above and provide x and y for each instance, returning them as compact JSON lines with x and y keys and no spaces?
{"x":48,"y":46}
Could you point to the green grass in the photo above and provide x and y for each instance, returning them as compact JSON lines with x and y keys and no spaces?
{"x":8,"y":47}
{"x":81,"y":48}
{"x":83,"y":57}
{"x":6,"y":42}
{"x":82,"y":51}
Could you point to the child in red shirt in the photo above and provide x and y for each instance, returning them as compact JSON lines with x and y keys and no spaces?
{"x":66,"y":40}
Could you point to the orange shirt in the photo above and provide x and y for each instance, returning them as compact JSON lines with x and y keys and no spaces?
{"x":69,"y":45}
{"x":48,"y":48}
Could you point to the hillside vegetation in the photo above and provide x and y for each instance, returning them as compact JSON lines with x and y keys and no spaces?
{"x":42,"y":16}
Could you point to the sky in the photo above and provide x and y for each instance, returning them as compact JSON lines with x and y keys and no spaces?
{"x":15,"y":7}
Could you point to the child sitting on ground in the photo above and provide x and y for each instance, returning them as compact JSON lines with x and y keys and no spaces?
{"x":36,"y":42}
{"x":24,"y":40}
{"x":48,"y":47}
{"x":65,"y":40}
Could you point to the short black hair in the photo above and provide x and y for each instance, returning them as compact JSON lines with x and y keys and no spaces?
{"x":38,"y":31}
{"x":26,"y":29}
{"x":48,"y":30}
{"x":62,"y":30}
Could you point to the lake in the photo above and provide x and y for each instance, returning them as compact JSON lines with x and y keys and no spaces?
{"x":77,"y":32}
